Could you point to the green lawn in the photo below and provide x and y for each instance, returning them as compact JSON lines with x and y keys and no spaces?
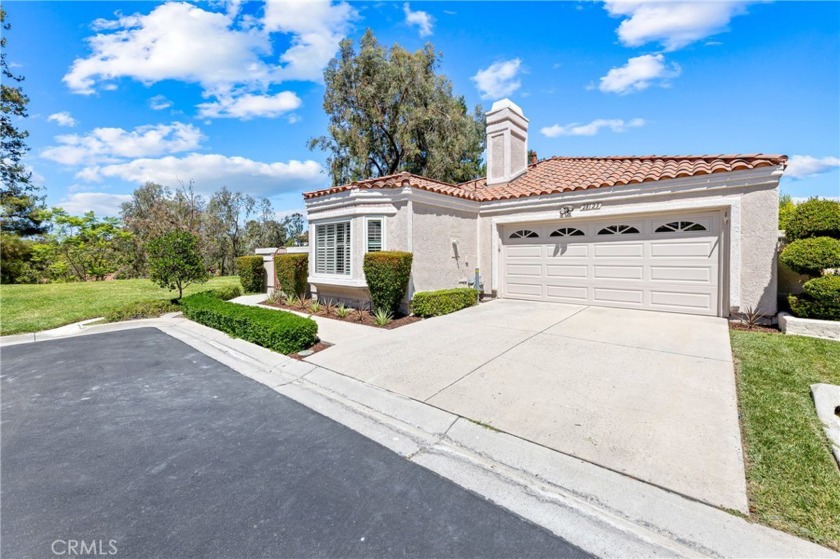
{"x":792,"y":479}
{"x":29,"y":308}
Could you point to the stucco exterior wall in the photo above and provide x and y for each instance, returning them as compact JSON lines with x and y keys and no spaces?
{"x":751,"y":232}
{"x":438,"y":262}
{"x":426,"y":225}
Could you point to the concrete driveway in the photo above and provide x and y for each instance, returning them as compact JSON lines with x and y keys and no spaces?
{"x":648,"y":394}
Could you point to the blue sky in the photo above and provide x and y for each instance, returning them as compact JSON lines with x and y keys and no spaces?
{"x":227,"y":93}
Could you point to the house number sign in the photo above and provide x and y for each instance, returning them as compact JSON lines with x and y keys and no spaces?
{"x":591,"y":206}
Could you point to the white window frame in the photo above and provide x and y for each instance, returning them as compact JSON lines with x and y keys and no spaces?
{"x":381,"y":220}
{"x":349,"y":269}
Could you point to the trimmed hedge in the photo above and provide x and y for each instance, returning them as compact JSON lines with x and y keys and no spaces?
{"x":821,"y":299}
{"x":812,"y":256}
{"x":251,"y":273}
{"x":278,"y":330}
{"x":445,"y":301}
{"x":141,"y":309}
{"x":387,"y":275}
{"x":292,"y":273}
{"x":226,"y":293}
{"x":814,"y":218}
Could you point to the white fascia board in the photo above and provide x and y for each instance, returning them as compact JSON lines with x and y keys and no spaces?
{"x":764,"y":176}
{"x":373,"y":201}
{"x":352,"y":211}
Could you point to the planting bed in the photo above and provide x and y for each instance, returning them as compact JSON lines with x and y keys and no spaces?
{"x":365,"y":317}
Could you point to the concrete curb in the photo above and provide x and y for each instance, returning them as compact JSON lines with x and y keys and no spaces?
{"x":602,"y":511}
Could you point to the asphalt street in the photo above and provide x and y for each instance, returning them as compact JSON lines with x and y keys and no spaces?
{"x":145,"y":447}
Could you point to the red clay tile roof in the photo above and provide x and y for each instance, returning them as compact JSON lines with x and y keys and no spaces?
{"x":562,"y":174}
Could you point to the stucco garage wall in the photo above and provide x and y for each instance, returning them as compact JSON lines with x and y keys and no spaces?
{"x":437,"y":264}
{"x":752,"y":227}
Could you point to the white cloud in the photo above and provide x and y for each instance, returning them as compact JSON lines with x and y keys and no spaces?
{"x":248,"y":106}
{"x":801,"y":166}
{"x":576,"y":129}
{"x":638,"y":74}
{"x":671,"y":23}
{"x":212,"y":171}
{"x":101,"y":203}
{"x":423,"y":20}
{"x":159,"y":103}
{"x":176,"y":41}
{"x":499,"y":79}
{"x":226,"y":54}
{"x":316,"y":28}
{"x":62,"y":119}
{"x":110,"y":144}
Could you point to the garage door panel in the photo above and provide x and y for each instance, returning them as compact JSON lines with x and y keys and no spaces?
{"x":524,"y":251}
{"x":567,"y":251}
{"x":526,"y":270}
{"x":625,"y":296}
{"x":695,"y":274}
{"x":566,"y":271}
{"x":615,"y":250}
{"x":619,"y":272}
{"x":698,"y":249}
{"x":524,"y":289}
{"x":681,"y":299}
{"x":567,"y":293}
{"x":676,"y":271}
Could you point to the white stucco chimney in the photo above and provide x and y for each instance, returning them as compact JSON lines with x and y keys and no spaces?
{"x":507,"y":142}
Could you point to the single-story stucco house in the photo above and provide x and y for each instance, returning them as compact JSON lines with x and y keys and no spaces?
{"x":686,"y":234}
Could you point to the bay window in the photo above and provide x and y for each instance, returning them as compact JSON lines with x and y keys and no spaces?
{"x":332,"y":248}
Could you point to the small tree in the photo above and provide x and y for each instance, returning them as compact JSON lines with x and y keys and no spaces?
{"x":174,"y":261}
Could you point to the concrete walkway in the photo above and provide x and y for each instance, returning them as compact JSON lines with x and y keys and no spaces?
{"x":648,"y":394}
{"x":601,"y":511}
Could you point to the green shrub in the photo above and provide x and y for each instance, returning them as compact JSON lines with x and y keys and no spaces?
{"x":277,"y":330}
{"x":292,"y":273}
{"x":251,"y":273}
{"x":821,"y":299}
{"x":811,"y":256}
{"x":814,"y":218}
{"x":387,"y":275}
{"x":141,"y":309}
{"x":226,"y":293}
{"x":445,"y":301}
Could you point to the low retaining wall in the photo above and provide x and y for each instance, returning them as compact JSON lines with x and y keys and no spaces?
{"x":828,"y":329}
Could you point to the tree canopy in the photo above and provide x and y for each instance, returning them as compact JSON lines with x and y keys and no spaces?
{"x":22,"y":208}
{"x":390,"y":111}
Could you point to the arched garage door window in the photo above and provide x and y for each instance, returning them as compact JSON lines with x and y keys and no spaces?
{"x":524,"y":234}
{"x":618,"y":230}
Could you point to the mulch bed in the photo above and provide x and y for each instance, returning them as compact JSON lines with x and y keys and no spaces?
{"x":366,"y":317}
{"x":320,"y":346}
{"x":756,"y":328}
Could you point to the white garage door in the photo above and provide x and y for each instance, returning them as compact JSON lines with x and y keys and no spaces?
{"x":664,"y":264}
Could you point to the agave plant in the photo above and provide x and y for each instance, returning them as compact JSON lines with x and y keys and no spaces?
{"x":382,"y":317}
{"x":292,"y":300}
{"x":360,"y":314}
{"x":302,"y":302}
{"x":329,"y":306}
{"x":274,"y":297}
{"x":315,"y":306}
{"x":341,"y":311}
